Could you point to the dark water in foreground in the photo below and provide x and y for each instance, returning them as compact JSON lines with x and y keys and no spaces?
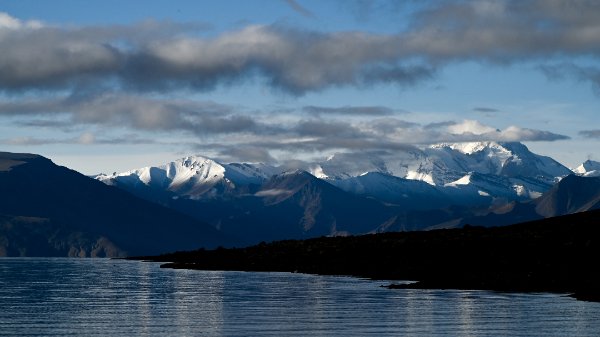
{"x":87,"y":297}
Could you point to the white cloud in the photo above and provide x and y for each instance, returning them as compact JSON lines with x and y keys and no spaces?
{"x":9,"y":22}
{"x":470,"y":126}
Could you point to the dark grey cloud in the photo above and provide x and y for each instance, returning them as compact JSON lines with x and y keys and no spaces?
{"x":321,"y":128}
{"x":438,"y":125}
{"x":506,"y":31}
{"x":400,"y":75}
{"x":294,"y":61}
{"x":316,"y":136}
{"x":569,"y":70}
{"x":595,"y":133}
{"x":389,"y":125}
{"x":50,"y":57}
{"x":136,"y":112}
{"x":244,"y":153}
{"x":349,"y":110}
{"x":485,"y":109}
{"x":162,"y":56}
{"x":231,"y":132}
{"x":64,"y":125}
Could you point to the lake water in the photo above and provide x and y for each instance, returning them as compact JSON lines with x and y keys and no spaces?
{"x":87,"y":297}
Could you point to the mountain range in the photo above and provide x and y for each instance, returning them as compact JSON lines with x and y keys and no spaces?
{"x":444,"y":185}
{"x":477,"y":172}
{"x":196,"y":201}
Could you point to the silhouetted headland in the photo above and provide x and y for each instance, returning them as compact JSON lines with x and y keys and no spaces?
{"x":552,"y":255}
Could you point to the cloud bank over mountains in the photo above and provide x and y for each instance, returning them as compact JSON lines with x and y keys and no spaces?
{"x":124,"y":76}
{"x":251,"y":137}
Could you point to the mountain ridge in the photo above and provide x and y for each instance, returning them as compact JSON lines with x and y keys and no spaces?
{"x":513,"y":171}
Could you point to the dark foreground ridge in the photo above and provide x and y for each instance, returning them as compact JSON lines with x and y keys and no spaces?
{"x":552,"y":255}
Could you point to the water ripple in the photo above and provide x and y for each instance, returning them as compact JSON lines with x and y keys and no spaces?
{"x":99,"y":297}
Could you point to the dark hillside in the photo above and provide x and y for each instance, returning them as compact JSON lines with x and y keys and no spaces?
{"x":74,"y":205}
{"x":556,"y":255}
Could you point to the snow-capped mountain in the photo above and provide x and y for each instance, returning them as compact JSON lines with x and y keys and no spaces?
{"x":589,"y":168}
{"x":405,"y":193}
{"x":438,"y":186}
{"x":403,"y":164}
{"x":479,"y":168}
{"x":466,"y":172}
{"x":512,"y":160}
{"x":194,"y":177}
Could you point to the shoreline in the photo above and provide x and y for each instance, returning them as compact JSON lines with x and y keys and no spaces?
{"x":555,"y":255}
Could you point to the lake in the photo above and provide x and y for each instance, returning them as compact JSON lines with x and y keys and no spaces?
{"x":102,"y":297}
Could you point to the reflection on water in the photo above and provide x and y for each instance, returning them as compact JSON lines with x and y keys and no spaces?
{"x":86,"y":297}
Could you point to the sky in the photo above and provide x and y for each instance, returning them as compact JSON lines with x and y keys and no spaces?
{"x":108,"y":86}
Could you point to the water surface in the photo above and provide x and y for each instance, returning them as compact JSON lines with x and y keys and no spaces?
{"x":101,"y":297}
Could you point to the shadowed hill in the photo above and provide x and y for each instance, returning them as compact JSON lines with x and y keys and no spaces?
{"x":72,"y":205}
{"x":292,"y":205}
{"x":556,"y":255}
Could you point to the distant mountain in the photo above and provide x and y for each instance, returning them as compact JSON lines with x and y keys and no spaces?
{"x":401,"y":192}
{"x":467,"y":173}
{"x":589,"y":168}
{"x":443,"y":185}
{"x":573,"y":194}
{"x":444,"y":163}
{"x":194,"y":177}
{"x":517,"y":173}
{"x":50,"y":210}
{"x":290,"y":205}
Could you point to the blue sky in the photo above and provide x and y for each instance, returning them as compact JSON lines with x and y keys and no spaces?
{"x":102,"y":86}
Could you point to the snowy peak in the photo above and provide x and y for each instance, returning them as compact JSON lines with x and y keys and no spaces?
{"x":403,"y":163}
{"x":495,"y":169}
{"x":474,"y":147}
{"x":508,"y":159}
{"x":589,"y":168}
{"x":445,"y":163}
{"x":192,"y":176}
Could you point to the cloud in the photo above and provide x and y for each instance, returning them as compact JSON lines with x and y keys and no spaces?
{"x":85,"y":138}
{"x":234,"y":134}
{"x":569,"y":70}
{"x":137,"y":112}
{"x":349,"y":110}
{"x":299,"y":9}
{"x":474,"y":131}
{"x":470,"y":127}
{"x":165,"y":57}
{"x":244,"y":153}
{"x":590,"y":133}
{"x":162,"y":56}
{"x":506,"y":31}
{"x":437,"y":125}
{"x":517,"y":134}
{"x":485,"y":109}
{"x":309,"y":137}
{"x":9,"y":22}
